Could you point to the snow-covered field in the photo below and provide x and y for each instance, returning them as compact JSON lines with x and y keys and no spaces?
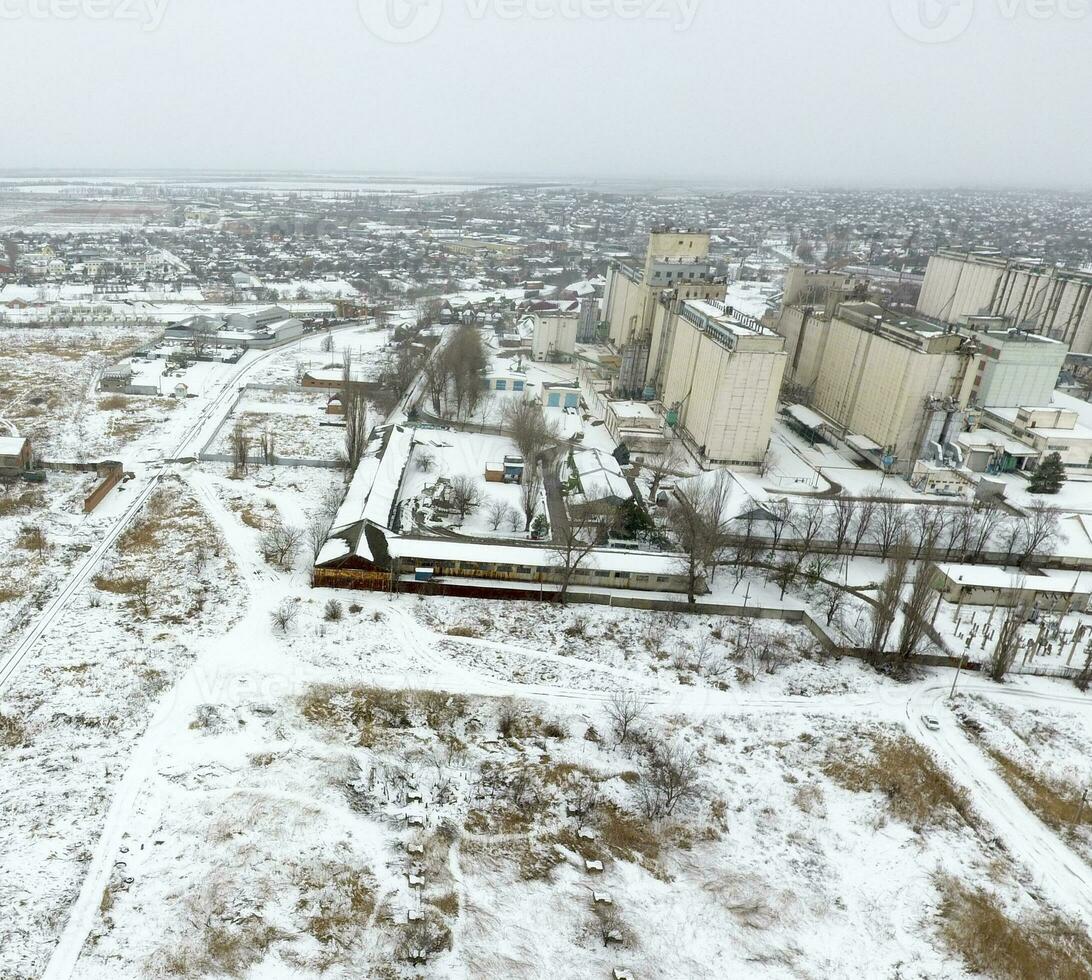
{"x":209,"y":770}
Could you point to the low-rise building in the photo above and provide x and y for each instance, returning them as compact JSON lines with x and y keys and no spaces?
{"x":366,"y":550}
{"x":554,"y":337}
{"x":637,"y":425}
{"x":984,"y":585}
{"x":15,"y":454}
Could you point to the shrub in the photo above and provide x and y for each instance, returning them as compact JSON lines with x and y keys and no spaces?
{"x":285,"y":615}
{"x":334,"y":612}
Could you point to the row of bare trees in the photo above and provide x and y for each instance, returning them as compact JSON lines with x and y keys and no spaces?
{"x":847,"y":524}
{"x":453,"y":375}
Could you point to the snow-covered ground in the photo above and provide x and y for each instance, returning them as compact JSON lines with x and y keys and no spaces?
{"x":209,"y":769}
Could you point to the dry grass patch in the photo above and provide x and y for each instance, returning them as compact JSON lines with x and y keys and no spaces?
{"x":21,"y":502}
{"x":917,"y":790}
{"x":9,"y":592}
{"x":628,"y":837}
{"x":337,"y":905}
{"x":13,"y":733}
{"x":975,"y":927}
{"x":447,"y":904}
{"x":113,"y":403}
{"x":1056,"y":802}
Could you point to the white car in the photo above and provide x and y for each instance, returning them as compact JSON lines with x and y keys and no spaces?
{"x":931,"y":723}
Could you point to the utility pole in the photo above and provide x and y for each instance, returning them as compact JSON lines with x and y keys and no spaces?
{"x":955,"y":680}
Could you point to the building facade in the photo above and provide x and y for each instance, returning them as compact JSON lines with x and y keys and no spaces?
{"x":722,"y":382}
{"x":1056,"y":303}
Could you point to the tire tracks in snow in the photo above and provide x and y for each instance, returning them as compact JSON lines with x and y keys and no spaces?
{"x":1058,"y":871}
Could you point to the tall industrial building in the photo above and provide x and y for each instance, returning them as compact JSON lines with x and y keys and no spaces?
{"x":716,"y":372}
{"x":901,"y":389}
{"x":1056,"y":303}
{"x":722,"y":382}
{"x":676,"y":265}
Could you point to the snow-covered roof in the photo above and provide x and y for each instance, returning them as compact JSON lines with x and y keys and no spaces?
{"x":388,"y":477}
{"x":11,"y":445}
{"x":633,"y":410}
{"x":600,"y":475}
{"x":985,"y":439}
{"x":806,"y":417}
{"x":991,"y":577}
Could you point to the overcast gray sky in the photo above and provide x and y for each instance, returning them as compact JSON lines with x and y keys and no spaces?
{"x":740,"y":91}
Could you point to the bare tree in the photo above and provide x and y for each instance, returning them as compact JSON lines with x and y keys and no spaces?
{"x":926,"y":526}
{"x":267,"y":446}
{"x":279,"y":544}
{"x":661,"y":465}
{"x":890,"y":524}
{"x":625,"y":710}
{"x":574,"y":540}
{"x":240,"y":449}
{"x":671,"y":777}
{"x":832,"y":599}
{"x":1041,"y":527}
{"x":782,"y":513}
{"x":437,"y":380}
{"x":866,"y":517}
{"x":1008,"y":646}
{"x":531,"y":491}
{"x":285,"y":615}
{"x":961,"y":531}
{"x":886,"y":608}
{"x":496,"y":513}
{"x":321,"y":523}
{"x":529,"y":429}
{"x":700,"y":520}
{"x":915,"y":611}
{"x":356,"y":428}
{"x":533,"y":435}
{"x":466,"y":495}
{"x":201,"y":335}
{"x":988,"y":516}
{"x":844,"y":513}
{"x":810,"y":522}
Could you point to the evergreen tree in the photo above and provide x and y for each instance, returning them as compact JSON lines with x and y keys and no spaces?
{"x":1049,"y":476}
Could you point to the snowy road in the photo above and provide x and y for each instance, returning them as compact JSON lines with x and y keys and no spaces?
{"x":195,"y":432}
{"x":1058,"y":871}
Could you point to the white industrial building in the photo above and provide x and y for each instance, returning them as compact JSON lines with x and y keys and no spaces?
{"x":1056,"y":303}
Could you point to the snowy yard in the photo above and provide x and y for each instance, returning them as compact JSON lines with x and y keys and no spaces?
{"x":295,"y":419}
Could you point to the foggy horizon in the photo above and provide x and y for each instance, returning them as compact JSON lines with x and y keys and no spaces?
{"x":843,"y":95}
